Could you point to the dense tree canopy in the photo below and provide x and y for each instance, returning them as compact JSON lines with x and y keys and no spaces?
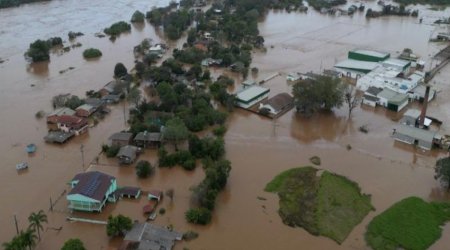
{"x":73,"y":244}
{"x":118,"y":225}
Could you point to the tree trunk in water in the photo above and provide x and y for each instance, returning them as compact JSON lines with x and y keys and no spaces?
{"x":39,"y":234}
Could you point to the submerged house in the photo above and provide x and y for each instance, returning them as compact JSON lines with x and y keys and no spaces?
{"x":371,"y":96}
{"x":148,"y":140}
{"x":90,"y":191}
{"x":277,"y":104}
{"x":85,"y":110}
{"x":147,"y":236}
{"x":73,"y":124}
{"x":120,"y":139}
{"x":127,"y":155}
{"x":250,"y":96}
{"x":53,"y":116}
{"x":292,"y":77}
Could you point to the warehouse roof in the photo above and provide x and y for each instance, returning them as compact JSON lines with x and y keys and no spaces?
{"x":250,"y":93}
{"x":355,"y":64}
{"x":417,"y":133}
{"x":397,"y":62}
{"x":371,"y":52}
{"x":414,"y":113}
{"x":387,"y":94}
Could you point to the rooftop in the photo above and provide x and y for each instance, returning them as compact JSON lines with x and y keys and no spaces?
{"x":85,"y":107}
{"x":374,"y":90}
{"x":355,"y":64}
{"x":387,"y":94}
{"x":371,"y":53}
{"x":62,"y":111}
{"x":250,"y":93}
{"x":152,"y":237}
{"x":110,"y":86}
{"x":121,"y":137}
{"x":127,"y":151}
{"x":72,"y":121}
{"x":414,"y":113}
{"x":397,"y":62}
{"x":145,"y":136}
{"x":279,"y":101}
{"x":417,"y":133}
{"x":58,"y":136}
{"x":92,"y":184}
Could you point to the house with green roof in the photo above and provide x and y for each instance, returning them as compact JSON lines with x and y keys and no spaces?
{"x":392,"y":100}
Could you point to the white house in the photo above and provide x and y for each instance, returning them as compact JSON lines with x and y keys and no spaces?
{"x":294,"y":76}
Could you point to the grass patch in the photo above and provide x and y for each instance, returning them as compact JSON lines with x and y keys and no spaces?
{"x":411,"y":224}
{"x":340,"y":206}
{"x":328,"y":205}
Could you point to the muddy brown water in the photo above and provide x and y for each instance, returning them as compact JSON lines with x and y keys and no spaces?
{"x":257,"y":147}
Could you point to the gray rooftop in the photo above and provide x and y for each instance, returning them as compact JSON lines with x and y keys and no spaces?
{"x":127,"y":151}
{"x":58,"y":136}
{"x":62,"y":111}
{"x":414,"y":113}
{"x":371,"y":52}
{"x":110,"y":86}
{"x":374,"y":90}
{"x":121,"y":137}
{"x":250,"y":93}
{"x":152,"y":237}
{"x":355,"y":64}
{"x":417,"y":133}
{"x":145,"y":136}
{"x":387,"y":94}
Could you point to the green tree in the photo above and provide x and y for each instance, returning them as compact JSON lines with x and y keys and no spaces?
{"x":175,"y":132}
{"x":73,"y":244}
{"x":138,"y":17}
{"x":134,"y":97}
{"x":324,"y":93}
{"x":117,"y":226}
{"x":120,"y":70}
{"x":39,"y":51}
{"x":200,"y":216}
{"x":15,"y":244}
{"x":442,"y":171}
{"x":36,"y":220}
{"x":74,"y":102}
{"x":144,"y":169}
{"x":28,"y":238}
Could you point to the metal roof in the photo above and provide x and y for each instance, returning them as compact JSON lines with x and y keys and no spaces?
{"x":121,"y":137}
{"x":86,"y":107}
{"x":414,"y":113}
{"x":417,"y":133}
{"x":152,"y":237}
{"x":62,"y":111}
{"x":279,"y":101}
{"x":250,"y":93}
{"x":92,"y":184}
{"x":387,"y":94}
{"x":355,"y":64}
{"x":371,"y":53}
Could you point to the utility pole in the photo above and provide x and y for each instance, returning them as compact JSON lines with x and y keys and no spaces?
{"x":51,"y":204}
{"x":82,"y":154}
{"x":124,"y":115}
{"x":15,"y":220}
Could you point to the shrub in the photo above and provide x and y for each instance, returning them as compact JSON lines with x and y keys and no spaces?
{"x":138,"y":17}
{"x":190,"y":235}
{"x":220,"y":131}
{"x":144,"y":169}
{"x":105,"y":148}
{"x":189,"y":164}
{"x":117,"y":28}
{"x":162,"y":211}
{"x":92,"y":53}
{"x":73,"y":244}
{"x":117,"y":226}
{"x":200,"y":216}
{"x":112,"y":151}
{"x":120,"y":70}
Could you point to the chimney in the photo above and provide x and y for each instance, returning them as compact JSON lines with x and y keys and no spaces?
{"x":424,"y":107}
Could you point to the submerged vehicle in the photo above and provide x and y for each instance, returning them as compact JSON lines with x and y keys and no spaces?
{"x":22,"y":166}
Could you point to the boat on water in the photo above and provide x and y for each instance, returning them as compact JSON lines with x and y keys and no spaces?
{"x":22,"y":166}
{"x":31,"y":148}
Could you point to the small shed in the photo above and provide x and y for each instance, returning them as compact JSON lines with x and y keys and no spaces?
{"x":370,"y":100}
{"x":248,"y":83}
{"x":120,"y":139}
{"x":58,"y":137}
{"x":85,"y":110}
{"x":127,"y":155}
{"x":238,"y":66}
{"x":278,"y":103}
{"x":411,"y":117}
{"x":155,"y":194}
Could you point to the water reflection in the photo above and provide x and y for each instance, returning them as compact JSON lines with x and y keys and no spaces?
{"x":39,"y":69}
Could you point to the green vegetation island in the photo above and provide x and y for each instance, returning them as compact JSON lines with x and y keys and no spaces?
{"x":411,"y":224}
{"x":92,"y":53}
{"x":328,"y":204}
{"x":15,"y":3}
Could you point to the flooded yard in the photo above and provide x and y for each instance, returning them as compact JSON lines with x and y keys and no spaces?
{"x":258,"y":148}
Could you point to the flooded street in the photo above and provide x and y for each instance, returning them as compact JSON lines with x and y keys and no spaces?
{"x":257,"y":147}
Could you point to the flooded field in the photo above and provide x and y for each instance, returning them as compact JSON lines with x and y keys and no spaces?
{"x":258,"y":148}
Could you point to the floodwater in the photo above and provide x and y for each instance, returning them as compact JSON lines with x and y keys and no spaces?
{"x":257,"y":147}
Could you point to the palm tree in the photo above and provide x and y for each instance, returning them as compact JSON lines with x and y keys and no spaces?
{"x":36,"y":221}
{"x":28,"y":238}
{"x":15,"y":244}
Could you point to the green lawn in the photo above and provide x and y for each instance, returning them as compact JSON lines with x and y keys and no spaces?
{"x":410,"y":224}
{"x":328,"y":205}
{"x":340,"y":206}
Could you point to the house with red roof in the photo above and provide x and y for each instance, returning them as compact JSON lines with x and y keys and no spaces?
{"x":73,"y":124}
